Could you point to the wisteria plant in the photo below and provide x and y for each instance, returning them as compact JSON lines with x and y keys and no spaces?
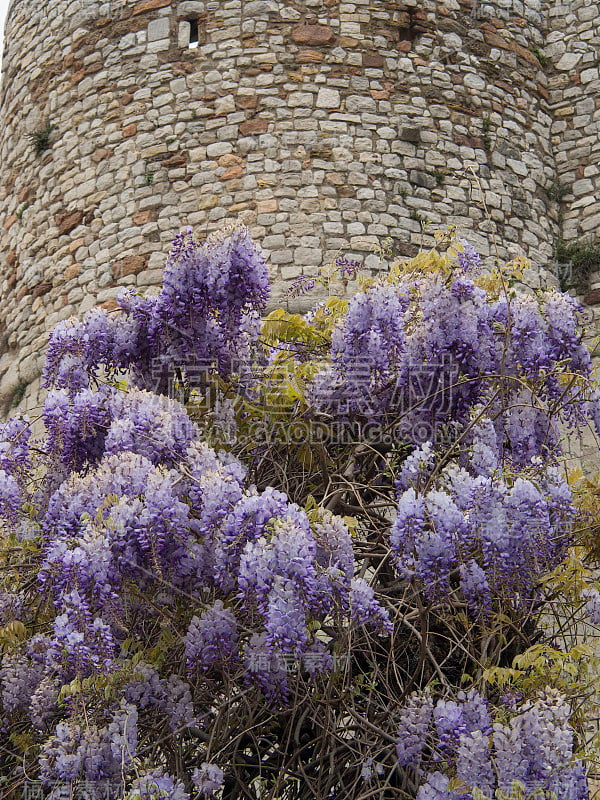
{"x":302,"y":557}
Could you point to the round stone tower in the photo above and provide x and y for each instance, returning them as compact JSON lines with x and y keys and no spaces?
{"x":326,"y":126}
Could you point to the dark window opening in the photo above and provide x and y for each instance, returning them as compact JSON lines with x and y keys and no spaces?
{"x":194,"y":41}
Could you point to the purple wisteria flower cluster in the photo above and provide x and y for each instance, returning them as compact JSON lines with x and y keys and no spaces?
{"x":456,"y":749}
{"x":206,"y":314}
{"x":211,"y":295}
{"x":151,"y":513}
{"x":476,"y":534}
{"x":15,"y":465}
{"x":418,"y":353}
{"x":173,"y":616}
{"x":132,"y":520}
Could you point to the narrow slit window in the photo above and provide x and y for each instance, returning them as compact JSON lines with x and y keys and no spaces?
{"x":194,"y":41}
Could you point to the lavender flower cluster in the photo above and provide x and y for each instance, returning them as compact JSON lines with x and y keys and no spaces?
{"x":456,"y":743}
{"x":476,"y":534}
{"x":426,"y":351}
{"x":15,"y":465}
{"x":207,"y":311}
{"x":145,"y":503}
{"x":158,"y":569}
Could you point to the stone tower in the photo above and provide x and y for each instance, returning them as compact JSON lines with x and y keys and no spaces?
{"x":324,"y":125}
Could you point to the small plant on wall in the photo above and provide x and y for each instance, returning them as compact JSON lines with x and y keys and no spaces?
{"x":41,"y":139}
{"x":583,"y":258}
{"x":19,"y":393}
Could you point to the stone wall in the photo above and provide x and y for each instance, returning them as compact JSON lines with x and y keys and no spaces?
{"x":573,"y":50}
{"x":325,"y":126}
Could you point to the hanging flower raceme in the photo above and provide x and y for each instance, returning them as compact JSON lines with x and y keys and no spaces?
{"x":150,"y":425}
{"x":496,"y":538}
{"x":208,"y":779}
{"x":76,"y":426}
{"x":15,"y":468}
{"x":20,"y":676}
{"x":91,"y":753}
{"x":81,"y":642}
{"x":425,"y":351}
{"x":207,"y":312}
{"x":208,"y":291}
{"x":366,"y":348}
{"x":156,"y":784}
{"x":123,"y":520}
{"x":11,"y":497}
{"x":211,"y":639}
{"x":534,"y":749}
{"x":449,"y":351}
{"x":15,"y":453}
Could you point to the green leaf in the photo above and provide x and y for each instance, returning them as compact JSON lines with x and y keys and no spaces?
{"x":281,"y":326}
